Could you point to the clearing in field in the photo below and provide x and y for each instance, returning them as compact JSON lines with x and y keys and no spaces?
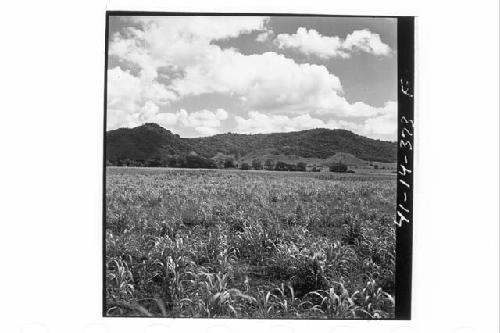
{"x":249,"y":244}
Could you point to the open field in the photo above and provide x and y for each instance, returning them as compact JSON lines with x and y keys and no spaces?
{"x":249,"y":244}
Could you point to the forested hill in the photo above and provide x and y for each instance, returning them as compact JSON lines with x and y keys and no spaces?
{"x":150,"y":141}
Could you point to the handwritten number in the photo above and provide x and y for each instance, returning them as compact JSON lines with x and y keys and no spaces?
{"x":407,"y":131}
{"x":406,"y":121}
{"x":402,"y":219}
{"x":404,"y":170}
{"x":403,"y":143}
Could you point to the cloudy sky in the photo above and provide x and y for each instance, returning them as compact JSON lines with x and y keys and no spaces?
{"x":203,"y":75}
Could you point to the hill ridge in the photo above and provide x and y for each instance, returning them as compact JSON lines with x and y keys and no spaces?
{"x":150,"y":141}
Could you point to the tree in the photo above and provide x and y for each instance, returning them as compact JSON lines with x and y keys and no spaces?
{"x":219,"y":160}
{"x":245,"y":166}
{"x":155,"y":162}
{"x":269,"y":164}
{"x":235,"y":152}
{"x":180,"y":162}
{"x":172,"y":162}
{"x":229,"y":163}
{"x":281,"y":166}
{"x":257,"y":164}
{"x":338,"y":167}
{"x":301,"y":166}
{"x":195,"y":161}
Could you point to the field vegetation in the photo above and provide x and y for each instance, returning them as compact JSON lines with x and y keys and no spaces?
{"x":249,"y":244}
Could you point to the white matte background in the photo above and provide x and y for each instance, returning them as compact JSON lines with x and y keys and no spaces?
{"x":51,"y":84}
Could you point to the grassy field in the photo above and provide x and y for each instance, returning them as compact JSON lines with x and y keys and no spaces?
{"x":249,"y":244}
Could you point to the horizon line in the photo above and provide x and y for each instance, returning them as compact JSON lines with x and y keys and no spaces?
{"x":226,"y":133}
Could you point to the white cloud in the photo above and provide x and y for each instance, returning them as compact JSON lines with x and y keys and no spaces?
{"x":360,"y":109}
{"x":117,"y":118}
{"x":202,"y":27}
{"x":131,"y":99}
{"x":178,"y":41}
{"x":258,"y":122}
{"x":263,"y":36}
{"x":165,"y":119}
{"x":204,"y":122}
{"x":123,"y":90}
{"x":267,"y":82}
{"x":312,"y":42}
{"x":206,"y":131}
{"x":382,"y":125}
{"x":174,"y":42}
{"x":366,"y":41}
{"x":203,"y":118}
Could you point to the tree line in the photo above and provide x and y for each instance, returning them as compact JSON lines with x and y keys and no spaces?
{"x":195,"y":161}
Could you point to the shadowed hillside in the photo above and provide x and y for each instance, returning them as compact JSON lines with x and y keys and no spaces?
{"x":153,"y":142}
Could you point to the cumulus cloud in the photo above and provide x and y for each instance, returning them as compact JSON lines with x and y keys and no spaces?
{"x":258,"y":122}
{"x":131,"y":99}
{"x":207,"y":131}
{"x":366,"y":41}
{"x":181,"y":50}
{"x":172,"y":44}
{"x":204,"y":122}
{"x":203,"y":118}
{"x":123,"y":90}
{"x":382,"y":124}
{"x":178,"y":41}
{"x":263,"y":36}
{"x":267,"y":81}
{"x":311,"y":42}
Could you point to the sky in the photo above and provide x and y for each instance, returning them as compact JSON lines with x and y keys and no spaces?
{"x":203,"y":75}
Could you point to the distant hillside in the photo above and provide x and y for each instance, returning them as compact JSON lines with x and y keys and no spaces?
{"x":142,"y":143}
{"x":345,"y":158}
{"x":151,"y":141}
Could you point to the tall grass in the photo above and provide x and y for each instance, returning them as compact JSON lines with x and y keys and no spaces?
{"x":194,"y":243}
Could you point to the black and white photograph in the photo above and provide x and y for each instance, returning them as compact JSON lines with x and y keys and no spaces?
{"x":251,"y":166}
{"x":263,"y":166}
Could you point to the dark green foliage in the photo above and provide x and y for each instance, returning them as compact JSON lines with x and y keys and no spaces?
{"x":338,"y":167}
{"x":220,"y":160}
{"x":281,"y":166}
{"x":245,"y":166}
{"x":229,"y":163}
{"x":320,"y":143}
{"x":142,"y":143}
{"x":269,"y":165}
{"x":154,"y":162}
{"x":151,"y":141}
{"x":199,"y":162}
{"x":257,"y":164}
{"x":301,"y":166}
